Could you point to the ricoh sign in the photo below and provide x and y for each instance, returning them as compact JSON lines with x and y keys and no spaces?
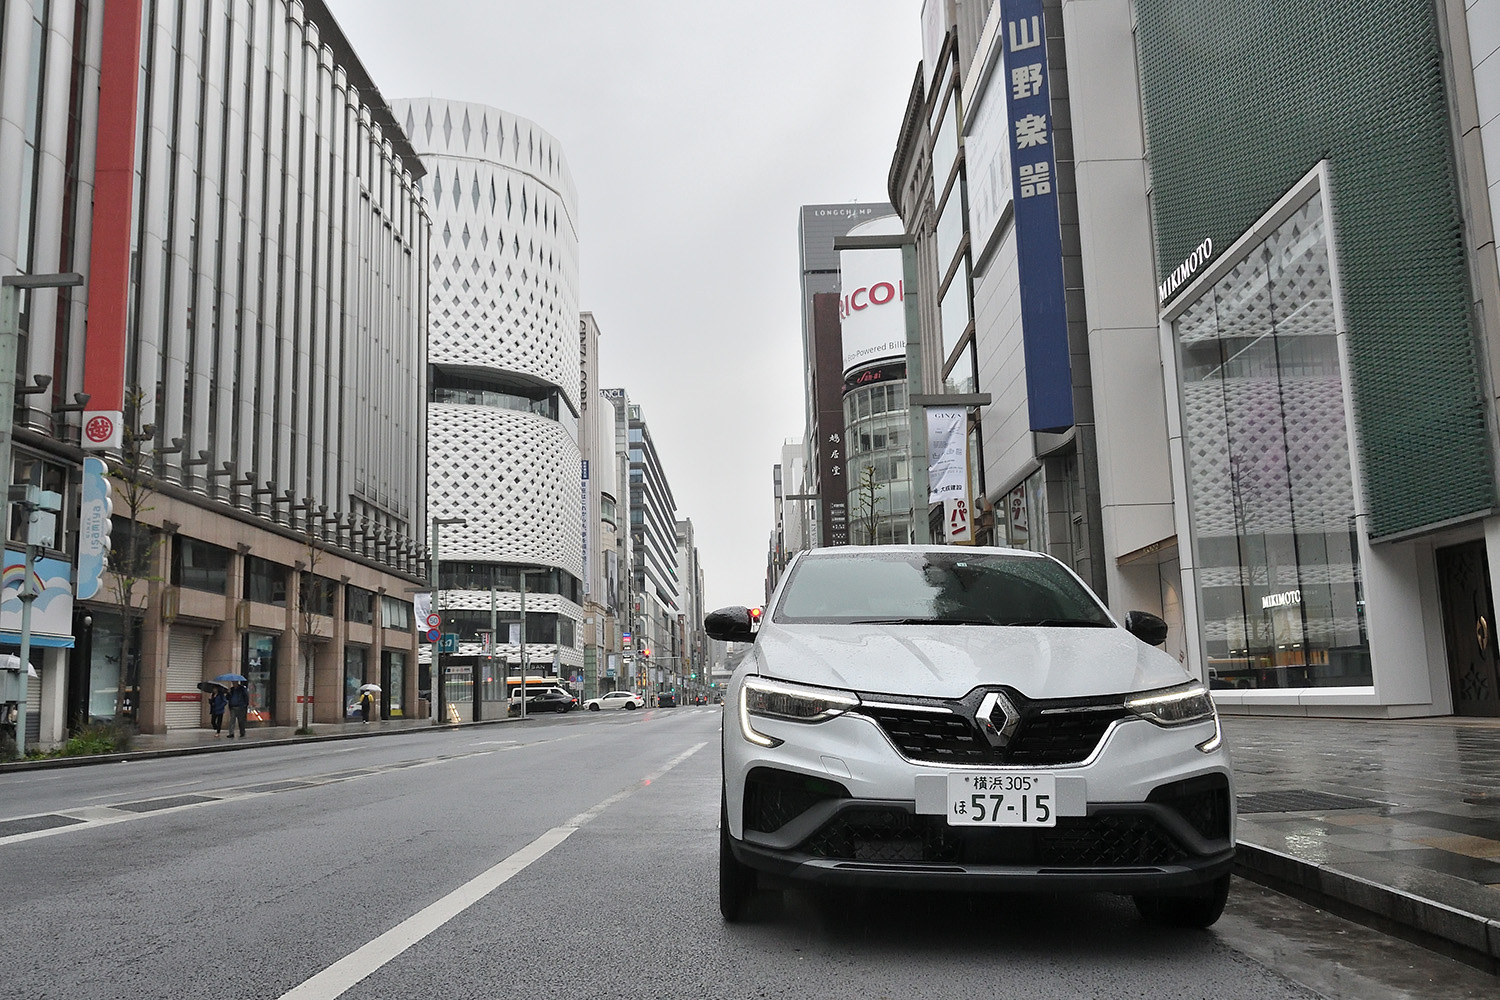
{"x":872,"y":299}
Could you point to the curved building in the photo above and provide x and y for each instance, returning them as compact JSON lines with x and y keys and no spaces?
{"x":503,"y":355}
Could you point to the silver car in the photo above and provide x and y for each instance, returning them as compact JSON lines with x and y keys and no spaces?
{"x":944,"y":717}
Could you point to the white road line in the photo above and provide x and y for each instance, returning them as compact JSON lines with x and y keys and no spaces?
{"x":335,"y":980}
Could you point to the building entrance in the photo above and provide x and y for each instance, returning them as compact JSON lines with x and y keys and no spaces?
{"x":1469,"y":628}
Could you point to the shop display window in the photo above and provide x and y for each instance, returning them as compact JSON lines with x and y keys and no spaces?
{"x":1270,"y":484}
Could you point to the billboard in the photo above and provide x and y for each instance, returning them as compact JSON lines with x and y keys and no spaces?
{"x":872,"y":299}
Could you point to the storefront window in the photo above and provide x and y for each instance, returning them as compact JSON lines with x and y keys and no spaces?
{"x":354,"y":676}
{"x":104,"y":667}
{"x":1269,"y":470}
{"x":395,"y":684}
{"x":260,"y":668}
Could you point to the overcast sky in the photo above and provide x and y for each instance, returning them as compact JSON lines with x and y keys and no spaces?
{"x":694,"y":130}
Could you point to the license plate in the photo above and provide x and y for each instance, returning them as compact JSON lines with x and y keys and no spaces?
{"x":1005,"y":798}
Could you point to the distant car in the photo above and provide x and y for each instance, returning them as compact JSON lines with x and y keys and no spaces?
{"x":666,"y":699}
{"x":628,"y":700}
{"x":545,"y":700}
{"x":993,"y":726}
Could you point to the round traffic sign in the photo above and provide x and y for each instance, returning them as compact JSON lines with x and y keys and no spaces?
{"x":434,"y":620}
{"x":433,"y":635}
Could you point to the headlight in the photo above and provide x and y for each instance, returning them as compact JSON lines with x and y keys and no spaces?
{"x":793,"y":702}
{"x":1174,"y":706}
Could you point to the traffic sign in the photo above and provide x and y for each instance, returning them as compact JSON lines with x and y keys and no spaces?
{"x":433,"y":635}
{"x":449,"y":643}
{"x":434,"y":620}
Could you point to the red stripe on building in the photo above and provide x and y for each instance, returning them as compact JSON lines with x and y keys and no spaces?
{"x":114,"y":181}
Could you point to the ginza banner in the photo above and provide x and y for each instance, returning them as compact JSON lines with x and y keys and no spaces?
{"x":947,"y":470}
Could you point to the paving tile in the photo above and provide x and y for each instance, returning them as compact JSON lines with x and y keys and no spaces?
{"x":1474,"y":847}
{"x":1478,"y":870}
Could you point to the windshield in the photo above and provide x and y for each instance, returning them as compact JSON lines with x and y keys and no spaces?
{"x":970,"y":588}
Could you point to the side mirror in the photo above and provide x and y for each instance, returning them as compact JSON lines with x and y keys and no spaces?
{"x":730,"y":625}
{"x":1146,"y":627}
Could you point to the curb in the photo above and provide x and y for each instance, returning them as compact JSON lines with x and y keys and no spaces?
{"x":51,"y":763}
{"x":1471,"y":934}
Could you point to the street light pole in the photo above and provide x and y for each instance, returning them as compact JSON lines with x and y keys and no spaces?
{"x":438,"y":693}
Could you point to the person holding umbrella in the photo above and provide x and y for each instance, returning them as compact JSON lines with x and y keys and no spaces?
{"x":238,"y":700}
{"x":218,"y":700}
{"x":367,"y":700}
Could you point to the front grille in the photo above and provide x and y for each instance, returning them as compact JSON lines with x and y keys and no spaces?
{"x":1044,"y":738}
{"x":774,"y":797}
{"x":1111,"y":840}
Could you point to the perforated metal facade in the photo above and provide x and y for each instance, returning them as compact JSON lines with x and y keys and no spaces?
{"x":1242,"y":99}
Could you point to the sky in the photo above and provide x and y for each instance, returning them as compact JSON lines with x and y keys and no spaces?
{"x":694,"y":130}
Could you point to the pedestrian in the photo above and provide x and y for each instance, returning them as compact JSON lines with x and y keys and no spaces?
{"x":239,"y":705}
{"x":366,"y":705}
{"x":217,"y":702}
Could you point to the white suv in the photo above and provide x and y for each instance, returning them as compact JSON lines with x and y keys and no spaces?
{"x":967,"y":718}
{"x":628,"y":700}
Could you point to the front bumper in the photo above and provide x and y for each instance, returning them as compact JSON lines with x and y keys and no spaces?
{"x":1147,"y":811}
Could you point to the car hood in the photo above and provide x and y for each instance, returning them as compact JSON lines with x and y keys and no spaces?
{"x":948,"y":661}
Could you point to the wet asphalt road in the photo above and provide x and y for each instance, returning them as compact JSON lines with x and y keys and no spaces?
{"x":260,"y":873}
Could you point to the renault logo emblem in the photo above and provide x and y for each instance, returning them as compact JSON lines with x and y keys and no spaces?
{"x":998,"y":719}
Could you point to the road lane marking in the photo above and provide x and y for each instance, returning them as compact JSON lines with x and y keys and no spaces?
{"x":348,"y":971}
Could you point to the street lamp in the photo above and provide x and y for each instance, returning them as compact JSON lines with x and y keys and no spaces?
{"x":10,"y":323}
{"x":438,"y":694}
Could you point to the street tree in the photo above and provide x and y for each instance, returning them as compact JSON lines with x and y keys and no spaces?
{"x":867,"y":501}
{"x":132,"y":550}
{"x":314,"y":605}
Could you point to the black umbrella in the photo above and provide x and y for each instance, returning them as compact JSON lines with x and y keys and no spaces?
{"x":209,"y":687}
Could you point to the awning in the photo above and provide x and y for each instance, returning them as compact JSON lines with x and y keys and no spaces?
{"x":54,"y":641}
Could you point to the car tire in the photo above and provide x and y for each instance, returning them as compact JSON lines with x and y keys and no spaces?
{"x":630,"y":706}
{"x":1201,"y":909}
{"x":737,"y":882}
{"x":593,"y":708}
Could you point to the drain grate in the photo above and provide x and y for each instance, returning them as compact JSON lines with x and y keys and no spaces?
{"x":1299,"y":800}
{"x":151,"y":805}
{"x":31,"y":824}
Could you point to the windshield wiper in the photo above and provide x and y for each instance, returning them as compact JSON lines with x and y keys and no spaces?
{"x":928,"y":621}
{"x":1064,"y":622}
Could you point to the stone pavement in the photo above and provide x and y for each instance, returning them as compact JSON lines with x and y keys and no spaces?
{"x":1399,"y":820}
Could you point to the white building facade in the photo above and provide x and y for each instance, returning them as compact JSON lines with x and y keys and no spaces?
{"x":252,"y":246}
{"x":503,"y":452}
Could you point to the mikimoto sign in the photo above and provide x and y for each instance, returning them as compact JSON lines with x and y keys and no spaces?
{"x":872,"y":299}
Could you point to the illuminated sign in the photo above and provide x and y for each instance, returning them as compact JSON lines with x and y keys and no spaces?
{"x":1285,"y":599}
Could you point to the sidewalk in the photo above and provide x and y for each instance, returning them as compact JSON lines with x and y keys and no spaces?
{"x":1396,"y":819}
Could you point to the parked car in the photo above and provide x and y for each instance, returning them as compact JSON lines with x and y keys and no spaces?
{"x":666,"y":699}
{"x":551,"y":699}
{"x":628,"y":700}
{"x":967,"y":718}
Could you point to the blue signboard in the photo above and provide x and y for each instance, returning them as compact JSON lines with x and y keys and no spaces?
{"x":1044,"y":317}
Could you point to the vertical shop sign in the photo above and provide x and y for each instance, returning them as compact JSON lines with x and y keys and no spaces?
{"x":587,"y":562}
{"x":832,"y":474}
{"x":1044,"y":320}
{"x":947,"y":468}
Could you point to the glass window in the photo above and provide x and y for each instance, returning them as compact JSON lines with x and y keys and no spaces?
{"x":355,"y":658}
{"x":954,"y":309}
{"x":1269,"y":469}
{"x":200,"y":566}
{"x":265,"y":581}
{"x":395,"y":613}
{"x":945,"y":143}
{"x":260,"y":667}
{"x":950,"y":229}
{"x":971,"y":587}
{"x":318,"y":593}
{"x":359,"y":605}
{"x":394,"y":684}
